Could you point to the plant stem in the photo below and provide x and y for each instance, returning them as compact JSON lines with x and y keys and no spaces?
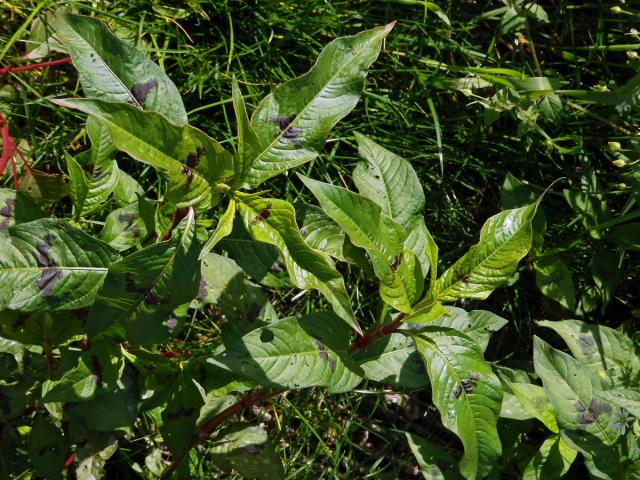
{"x":34,"y":66}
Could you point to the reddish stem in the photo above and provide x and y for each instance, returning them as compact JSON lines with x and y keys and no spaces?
{"x":34,"y":66}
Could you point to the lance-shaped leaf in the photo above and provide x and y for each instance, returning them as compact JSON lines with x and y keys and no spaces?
{"x":49,"y":265}
{"x":611,"y":355}
{"x":505,"y":238}
{"x":273,"y":221}
{"x":585,"y":420}
{"x":112,"y":69}
{"x":390,"y":181}
{"x":383,"y":239}
{"x":194,"y":161}
{"x":535,"y":403}
{"x":144,"y":288}
{"x":248,"y":145}
{"x":247,"y":450}
{"x":623,"y":398}
{"x":467,"y":394}
{"x":89,"y":191}
{"x":295,"y":353}
{"x":223,"y":229}
{"x":293,"y":122}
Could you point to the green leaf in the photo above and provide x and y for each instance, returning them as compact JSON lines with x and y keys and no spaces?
{"x":248,"y":146}
{"x":435,"y":463}
{"x":322,"y":233}
{"x":476,"y":324}
{"x":467,"y":394}
{"x":552,"y":460}
{"x":126,"y":189}
{"x":78,"y":184}
{"x":112,"y":69}
{"x":145,"y":287}
{"x":194,"y":161}
{"x":585,"y":421}
{"x":383,"y":239}
{"x":293,"y":123}
{"x":612,"y":356}
{"x":393,"y":360}
{"x":223,"y":229}
{"x":47,"y":449}
{"x":624,"y":398}
{"x":361,"y":219}
{"x":247,"y":450}
{"x":49,"y":265}
{"x":535,"y":402}
{"x":388,"y":180}
{"x":129,"y":226}
{"x":505,"y":238}
{"x":295,"y":353}
{"x":553,"y":278}
{"x":273,"y":221}
{"x":16,"y":208}
{"x":98,"y":370}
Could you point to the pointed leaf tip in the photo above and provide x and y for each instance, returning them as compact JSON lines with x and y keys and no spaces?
{"x":389,"y":26}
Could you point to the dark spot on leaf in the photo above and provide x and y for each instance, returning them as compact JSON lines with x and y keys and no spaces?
{"x":396,"y":263}
{"x":187,"y":172}
{"x":8,"y":207}
{"x":151,"y":299}
{"x":4,"y":224}
{"x":135,"y":231}
{"x":202,"y":290}
{"x":457,"y":391}
{"x":47,"y":280}
{"x":140,"y":91}
{"x":587,"y":344}
{"x":192,"y":160}
{"x":291,"y":132}
{"x":130,"y":284}
{"x":126,"y":218}
{"x":96,"y":369}
{"x":99,"y":174}
{"x":266,"y":336}
{"x":303,"y":231}
{"x":43,"y":247}
{"x":596,"y":408}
